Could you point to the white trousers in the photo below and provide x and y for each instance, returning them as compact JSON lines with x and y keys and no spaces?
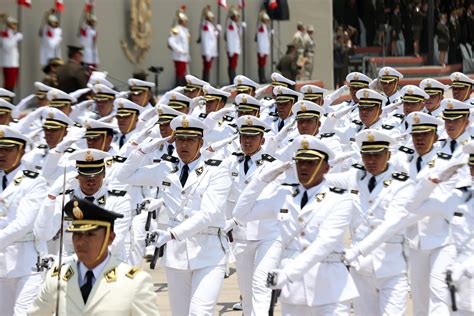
{"x":194,"y":292}
{"x":340,"y":308}
{"x":17,"y":294}
{"x":380,"y":296}
{"x":254,"y":259}
{"x":428,"y":280}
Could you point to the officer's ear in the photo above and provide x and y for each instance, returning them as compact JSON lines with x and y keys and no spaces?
{"x":262,"y":141}
{"x":111,"y":238}
{"x":389,"y":154}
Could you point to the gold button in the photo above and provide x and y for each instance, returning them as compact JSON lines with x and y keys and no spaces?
{"x":302,"y":234}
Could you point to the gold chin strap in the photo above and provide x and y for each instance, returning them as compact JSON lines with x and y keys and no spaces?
{"x":103,"y":142}
{"x":394,"y":87}
{"x":104,"y":243}
{"x":467,"y":94}
{"x":314,"y":173}
{"x":379,"y":109}
{"x":129,"y":128}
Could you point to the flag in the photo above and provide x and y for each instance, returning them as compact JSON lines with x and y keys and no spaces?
{"x":26,"y":3}
{"x":222,"y":3}
{"x":241,"y":4}
{"x":89,"y":6}
{"x":273,"y":4}
{"x":59,"y":5}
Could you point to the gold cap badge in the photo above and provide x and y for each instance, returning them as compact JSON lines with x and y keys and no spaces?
{"x":370,"y":137}
{"x":76,"y":211}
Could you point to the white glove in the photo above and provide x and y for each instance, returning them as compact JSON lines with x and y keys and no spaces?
{"x":219,"y":28}
{"x":445,"y":172}
{"x":141,"y":136}
{"x":336,"y":94}
{"x":222,"y":143}
{"x":197,"y":102}
{"x":64,"y":144}
{"x":280,"y":279}
{"x":151,"y":146}
{"x":163,"y":237}
{"x":243,"y":24}
{"x":148,"y":114}
{"x":37,"y":113}
{"x":389,"y":108}
{"x":273,"y":171}
{"x":351,"y":254}
{"x":284,"y":132}
{"x":57,"y":187}
{"x":229,"y":225}
{"x":342,"y":112}
{"x":216,"y":116}
{"x":83,"y":105}
{"x":374,"y":221}
{"x":154,"y":204}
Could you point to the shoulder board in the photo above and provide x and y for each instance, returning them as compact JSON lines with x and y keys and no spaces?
{"x":213,"y":162}
{"x":267,"y":98}
{"x":273,"y":114}
{"x":233,"y":125}
{"x":228,"y":118}
{"x":67,"y":191}
{"x":77,"y":124}
{"x":444,"y":156}
{"x":357,"y":122}
{"x":358,"y":166}
{"x":203,"y":115}
{"x":268,"y":157}
{"x":117,"y":192}
{"x":398,"y":115}
{"x":70,"y":150}
{"x":30,"y":174}
{"x":290,"y":184}
{"x":42,"y":146}
{"x":110,"y":276}
{"x":69,"y":273}
{"x":387,"y":127}
{"x":119,"y":159}
{"x":400,"y":176}
{"x":327,"y":135}
{"x":15,"y":120}
{"x":170,"y":158}
{"x":337,"y":190}
{"x":464,"y":189}
{"x":235,"y":153}
{"x":133,"y":272}
{"x":406,"y":150}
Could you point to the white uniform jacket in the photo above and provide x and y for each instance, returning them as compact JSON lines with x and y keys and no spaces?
{"x":263,"y":39}
{"x":178,"y":42}
{"x":88,"y":39}
{"x":18,"y":209}
{"x":121,"y":290}
{"x":312,"y":238}
{"x":9,"y":54}
{"x":196,"y":211}
{"x":209,"y":35}
{"x":233,"y":38}
{"x":50,"y":44}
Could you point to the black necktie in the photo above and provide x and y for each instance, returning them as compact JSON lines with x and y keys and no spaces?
{"x":90,"y":198}
{"x":87,"y":287}
{"x":170,"y":149}
{"x":246,"y":163}
{"x":184,"y":175}
{"x":122,"y":140}
{"x":406,"y":125}
{"x":452,"y":145}
{"x":280,"y":125}
{"x":372,"y":183}
{"x":304,"y":199}
{"x":418,"y":163}
{"x":4,"y":182}
{"x":388,"y":102}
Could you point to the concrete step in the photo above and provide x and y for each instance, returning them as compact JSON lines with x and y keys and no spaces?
{"x":429,"y":71}
{"x":405,"y":61}
{"x":416,"y":80}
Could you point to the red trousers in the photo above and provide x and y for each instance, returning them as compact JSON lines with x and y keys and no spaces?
{"x":180,"y":68}
{"x":10,"y":76}
{"x":207,"y":64}
{"x":233,"y":61}
{"x":262,"y":60}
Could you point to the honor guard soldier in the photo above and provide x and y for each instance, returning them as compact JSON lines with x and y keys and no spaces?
{"x":209,"y":34}
{"x":50,"y":37}
{"x":245,"y":85}
{"x":233,"y":32}
{"x":88,"y":39}
{"x":263,"y":39}
{"x":72,"y":76}
{"x":382,"y":190}
{"x":95,"y":282}
{"x":389,"y":79}
{"x":462,"y":87}
{"x":90,"y":183}
{"x":51,"y":72}
{"x":22,"y":192}
{"x":311,"y":241}
{"x":435,"y":90}
{"x":55,"y":128}
{"x":104,"y":103}
{"x":456,"y":116}
{"x":140,"y":92}
{"x":194,"y":198}
{"x":253,"y":250}
{"x":10,"y":57}
{"x":178,"y":43}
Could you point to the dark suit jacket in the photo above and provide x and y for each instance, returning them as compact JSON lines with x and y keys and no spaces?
{"x":71,"y":77}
